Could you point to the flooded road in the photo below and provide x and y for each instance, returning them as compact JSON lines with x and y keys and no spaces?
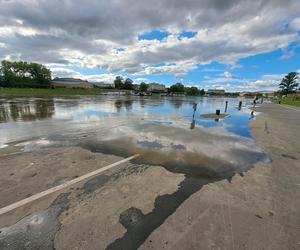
{"x":23,"y":118}
{"x":157,"y":128}
{"x":164,"y":131}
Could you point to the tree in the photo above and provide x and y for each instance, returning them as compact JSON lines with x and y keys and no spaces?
{"x":202,"y":92}
{"x":119,"y":82}
{"x":289,"y":83}
{"x":194,"y":91}
{"x":24,"y":74}
{"x":128,"y":84}
{"x":144,"y":87}
{"x":177,"y":88}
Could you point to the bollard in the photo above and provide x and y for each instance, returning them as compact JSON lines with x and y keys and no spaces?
{"x":193,"y":124}
{"x":195,"y":106}
{"x":218,"y":112}
{"x":240,"y":105}
{"x":226,"y":104}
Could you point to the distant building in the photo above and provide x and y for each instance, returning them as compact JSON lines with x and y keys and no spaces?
{"x":270,"y":94}
{"x":158,"y":88}
{"x":250,"y":94}
{"x":104,"y":85}
{"x":215,"y":91}
{"x":71,"y":83}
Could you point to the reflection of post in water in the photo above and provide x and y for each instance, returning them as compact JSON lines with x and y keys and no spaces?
{"x":194,"y":111}
{"x":251,"y":115}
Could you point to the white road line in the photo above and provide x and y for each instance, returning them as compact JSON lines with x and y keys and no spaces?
{"x":62,"y":186}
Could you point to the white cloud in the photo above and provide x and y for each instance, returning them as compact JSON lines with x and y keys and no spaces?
{"x":78,"y":34}
{"x":228,"y":74}
{"x":295,"y":24}
{"x":65,"y":72}
{"x":265,"y":83}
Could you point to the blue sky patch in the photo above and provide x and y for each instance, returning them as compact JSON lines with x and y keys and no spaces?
{"x":154,"y":35}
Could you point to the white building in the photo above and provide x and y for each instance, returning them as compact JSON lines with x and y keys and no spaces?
{"x":104,"y":85}
{"x":215,"y":91}
{"x":71,"y":83}
{"x":155,"y":87}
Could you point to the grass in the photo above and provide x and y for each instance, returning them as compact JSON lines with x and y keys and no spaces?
{"x":27,"y":92}
{"x":292,"y":99}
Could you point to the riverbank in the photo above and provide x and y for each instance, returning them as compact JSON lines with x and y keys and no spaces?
{"x":27,"y":92}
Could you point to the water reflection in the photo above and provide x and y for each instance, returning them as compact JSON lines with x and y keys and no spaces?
{"x":120,"y":104}
{"x":194,"y":111}
{"x":26,"y":110}
{"x":90,"y":113}
{"x":177,"y":102}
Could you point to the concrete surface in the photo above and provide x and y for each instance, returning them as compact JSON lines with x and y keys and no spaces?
{"x":148,"y":207}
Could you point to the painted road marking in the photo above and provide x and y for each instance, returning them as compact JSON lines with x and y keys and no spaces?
{"x":62,"y":186}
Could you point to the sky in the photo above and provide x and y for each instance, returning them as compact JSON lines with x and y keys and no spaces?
{"x":236,"y":45}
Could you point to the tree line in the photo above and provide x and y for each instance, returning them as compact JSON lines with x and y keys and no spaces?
{"x":24,"y":74}
{"x":29,"y":74}
{"x":127,"y":84}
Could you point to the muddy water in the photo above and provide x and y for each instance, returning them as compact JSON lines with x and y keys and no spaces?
{"x":164,"y":131}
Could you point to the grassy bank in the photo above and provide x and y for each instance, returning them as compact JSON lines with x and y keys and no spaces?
{"x":293,"y":100}
{"x":26,"y":92}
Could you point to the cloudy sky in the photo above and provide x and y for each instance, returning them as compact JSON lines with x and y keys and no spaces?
{"x":238,"y":45}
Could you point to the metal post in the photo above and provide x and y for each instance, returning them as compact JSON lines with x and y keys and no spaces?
{"x":240,"y":105}
{"x":226,"y":104}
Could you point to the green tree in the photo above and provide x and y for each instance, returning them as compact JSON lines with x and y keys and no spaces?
{"x":24,"y":74}
{"x":144,"y":87}
{"x":177,"y":88}
{"x":202,"y":92}
{"x":40,"y":73}
{"x":128,"y":84}
{"x":289,"y":83}
{"x":119,"y":82}
{"x":194,"y":91}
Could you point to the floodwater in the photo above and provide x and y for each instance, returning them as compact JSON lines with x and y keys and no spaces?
{"x":164,"y":131}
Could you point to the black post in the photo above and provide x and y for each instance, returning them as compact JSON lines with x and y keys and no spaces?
{"x":218,"y":112}
{"x":240,"y":105}
{"x":226,"y":104}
